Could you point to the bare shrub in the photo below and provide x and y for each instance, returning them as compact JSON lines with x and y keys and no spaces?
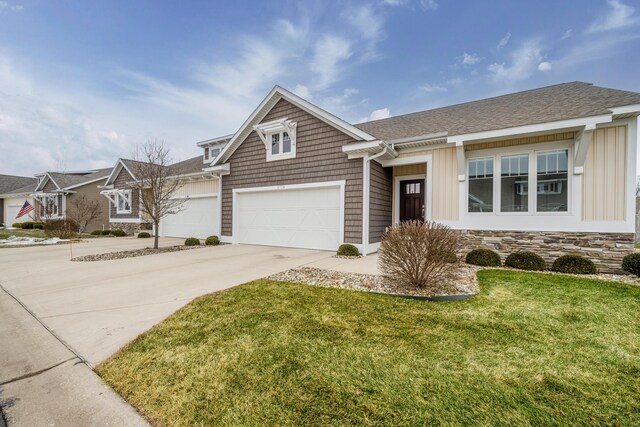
{"x":61,"y":228}
{"x":82,"y":211}
{"x":417,"y":254}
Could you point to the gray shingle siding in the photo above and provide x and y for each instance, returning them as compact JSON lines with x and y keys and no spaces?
{"x":121,"y":183}
{"x":319,"y":158}
{"x":380,"y":201}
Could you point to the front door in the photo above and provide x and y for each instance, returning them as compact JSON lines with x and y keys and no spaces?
{"x":412,"y":200}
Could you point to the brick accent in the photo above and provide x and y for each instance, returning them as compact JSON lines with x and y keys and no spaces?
{"x":319,"y":158}
{"x":380,"y":201}
{"x":129,"y":227}
{"x":606,"y":250}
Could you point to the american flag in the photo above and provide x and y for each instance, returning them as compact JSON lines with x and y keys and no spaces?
{"x":26,"y":208}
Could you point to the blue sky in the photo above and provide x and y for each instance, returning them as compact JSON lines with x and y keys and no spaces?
{"x":82,"y":82}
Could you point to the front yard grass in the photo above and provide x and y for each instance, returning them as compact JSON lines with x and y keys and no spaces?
{"x":530,"y":349}
{"x":4,"y":234}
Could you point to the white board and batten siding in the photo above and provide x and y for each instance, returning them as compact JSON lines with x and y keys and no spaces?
{"x":296,"y":216}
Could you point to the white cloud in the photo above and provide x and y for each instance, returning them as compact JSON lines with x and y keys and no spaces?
{"x":329,"y":52}
{"x":394,"y":2}
{"x":524,"y":61}
{"x":469,"y":59}
{"x":382,"y":113}
{"x":619,"y":16}
{"x":6,"y":6}
{"x":302,"y":91}
{"x":544,"y":66}
{"x":429,"y":4}
{"x":567,"y":34}
{"x":432,"y":88}
{"x":504,"y":41}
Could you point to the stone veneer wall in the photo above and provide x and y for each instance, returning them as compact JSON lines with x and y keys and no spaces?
{"x":606,"y":250}
{"x":130,"y":228}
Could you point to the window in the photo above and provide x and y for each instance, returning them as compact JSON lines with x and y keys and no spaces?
{"x":546,"y":172}
{"x":413,"y":188}
{"x":514,"y":183}
{"x":214,"y":152}
{"x":552,"y":175}
{"x":206,"y":152}
{"x":281,"y":146}
{"x":123,"y":199}
{"x":50,"y":206}
{"x":481,"y":185}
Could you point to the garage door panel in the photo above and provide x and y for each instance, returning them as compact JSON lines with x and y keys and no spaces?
{"x":198,"y":218}
{"x":302,"y":218}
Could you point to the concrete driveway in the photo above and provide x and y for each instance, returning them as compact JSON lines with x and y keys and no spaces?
{"x":97,"y":307}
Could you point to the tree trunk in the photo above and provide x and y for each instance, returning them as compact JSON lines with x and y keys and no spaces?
{"x":156,"y":227}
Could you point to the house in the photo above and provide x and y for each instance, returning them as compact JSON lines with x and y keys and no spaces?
{"x":550,"y":170}
{"x":199,"y":191}
{"x":57,"y":193}
{"x":14,"y":191}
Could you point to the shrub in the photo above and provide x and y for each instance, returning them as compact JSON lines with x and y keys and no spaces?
{"x":574,"y":264}
{"x":38,"y":225}
{"x":17,"y":225}
{"x":143,"y":235}
{"x":96,"y":233}
{"x":61,"y":228}
{"x":118,"y":233}
{"x":416,"y":254}
{"x":483,"y":258}
{"x":348,"y":250}
{"x":27,"y":225}
{"x":212,"y":241}
{"x":192,"y":241}
{"x":631,"y":263}
{"x":526,"y":261}
{"x":105,"y":232}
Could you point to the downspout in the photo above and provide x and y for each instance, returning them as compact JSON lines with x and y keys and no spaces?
{"x":366,"y":196}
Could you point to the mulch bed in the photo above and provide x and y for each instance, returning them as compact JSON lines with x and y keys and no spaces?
{"x":134,"y":253}
{"x":462,"y":282}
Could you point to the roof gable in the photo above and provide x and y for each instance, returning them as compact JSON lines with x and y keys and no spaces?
{"x":120,"y":164}
{"x":43,"y":183}
{"x":275,"y":95}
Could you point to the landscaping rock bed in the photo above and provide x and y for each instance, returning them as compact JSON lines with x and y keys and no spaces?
{"x":134,"y":253}
{"x":462,"y":282}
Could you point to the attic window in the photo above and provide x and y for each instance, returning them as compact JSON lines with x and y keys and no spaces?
{"x":279,"y":138}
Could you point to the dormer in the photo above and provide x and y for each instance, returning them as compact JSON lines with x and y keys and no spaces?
{"x":211,"y":148}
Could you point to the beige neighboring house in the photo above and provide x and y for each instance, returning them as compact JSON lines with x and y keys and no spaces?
{"x":550,"y":170}
{"x":14,"y":191}
{"x":199,"y":192}
{"x":56,"y":192}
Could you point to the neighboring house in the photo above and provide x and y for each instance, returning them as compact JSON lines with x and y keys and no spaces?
{"x":14,"y":191}
{"x":56,"y":192}
{"x":550,"y":170}
{"x":198,"y":217}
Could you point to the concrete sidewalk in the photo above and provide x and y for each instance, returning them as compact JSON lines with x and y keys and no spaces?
{"x":43,"y":383}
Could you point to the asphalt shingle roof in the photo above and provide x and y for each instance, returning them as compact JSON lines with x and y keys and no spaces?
{"x":10,"y":183}
{"x":65,"y":180}
{"x":548,"y":104}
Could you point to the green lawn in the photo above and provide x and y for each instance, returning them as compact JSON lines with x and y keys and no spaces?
{"x":531,"y":349}
{"x":22,"y":233}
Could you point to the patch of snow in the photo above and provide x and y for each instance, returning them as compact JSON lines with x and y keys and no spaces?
{"x":17,"y":241}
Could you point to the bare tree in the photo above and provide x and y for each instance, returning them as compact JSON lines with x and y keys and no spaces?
{"x":157,"y":182}
{"x":83,"y":211}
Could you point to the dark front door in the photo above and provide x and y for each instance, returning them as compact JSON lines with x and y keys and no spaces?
{"x":412,"y":200}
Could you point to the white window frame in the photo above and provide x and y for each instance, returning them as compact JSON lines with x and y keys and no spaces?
{"x":54,"y":198}
{"x":280,"y":155}
{"x":493,"y":177}
{"x":126,"y":196}
{"x":532,"y":150}
{"x":278,"y":127}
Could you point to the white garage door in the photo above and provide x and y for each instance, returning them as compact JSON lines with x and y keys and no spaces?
{"x":298,"y":218}
{"x":10,"y":213}
{"x":198,"y":219}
